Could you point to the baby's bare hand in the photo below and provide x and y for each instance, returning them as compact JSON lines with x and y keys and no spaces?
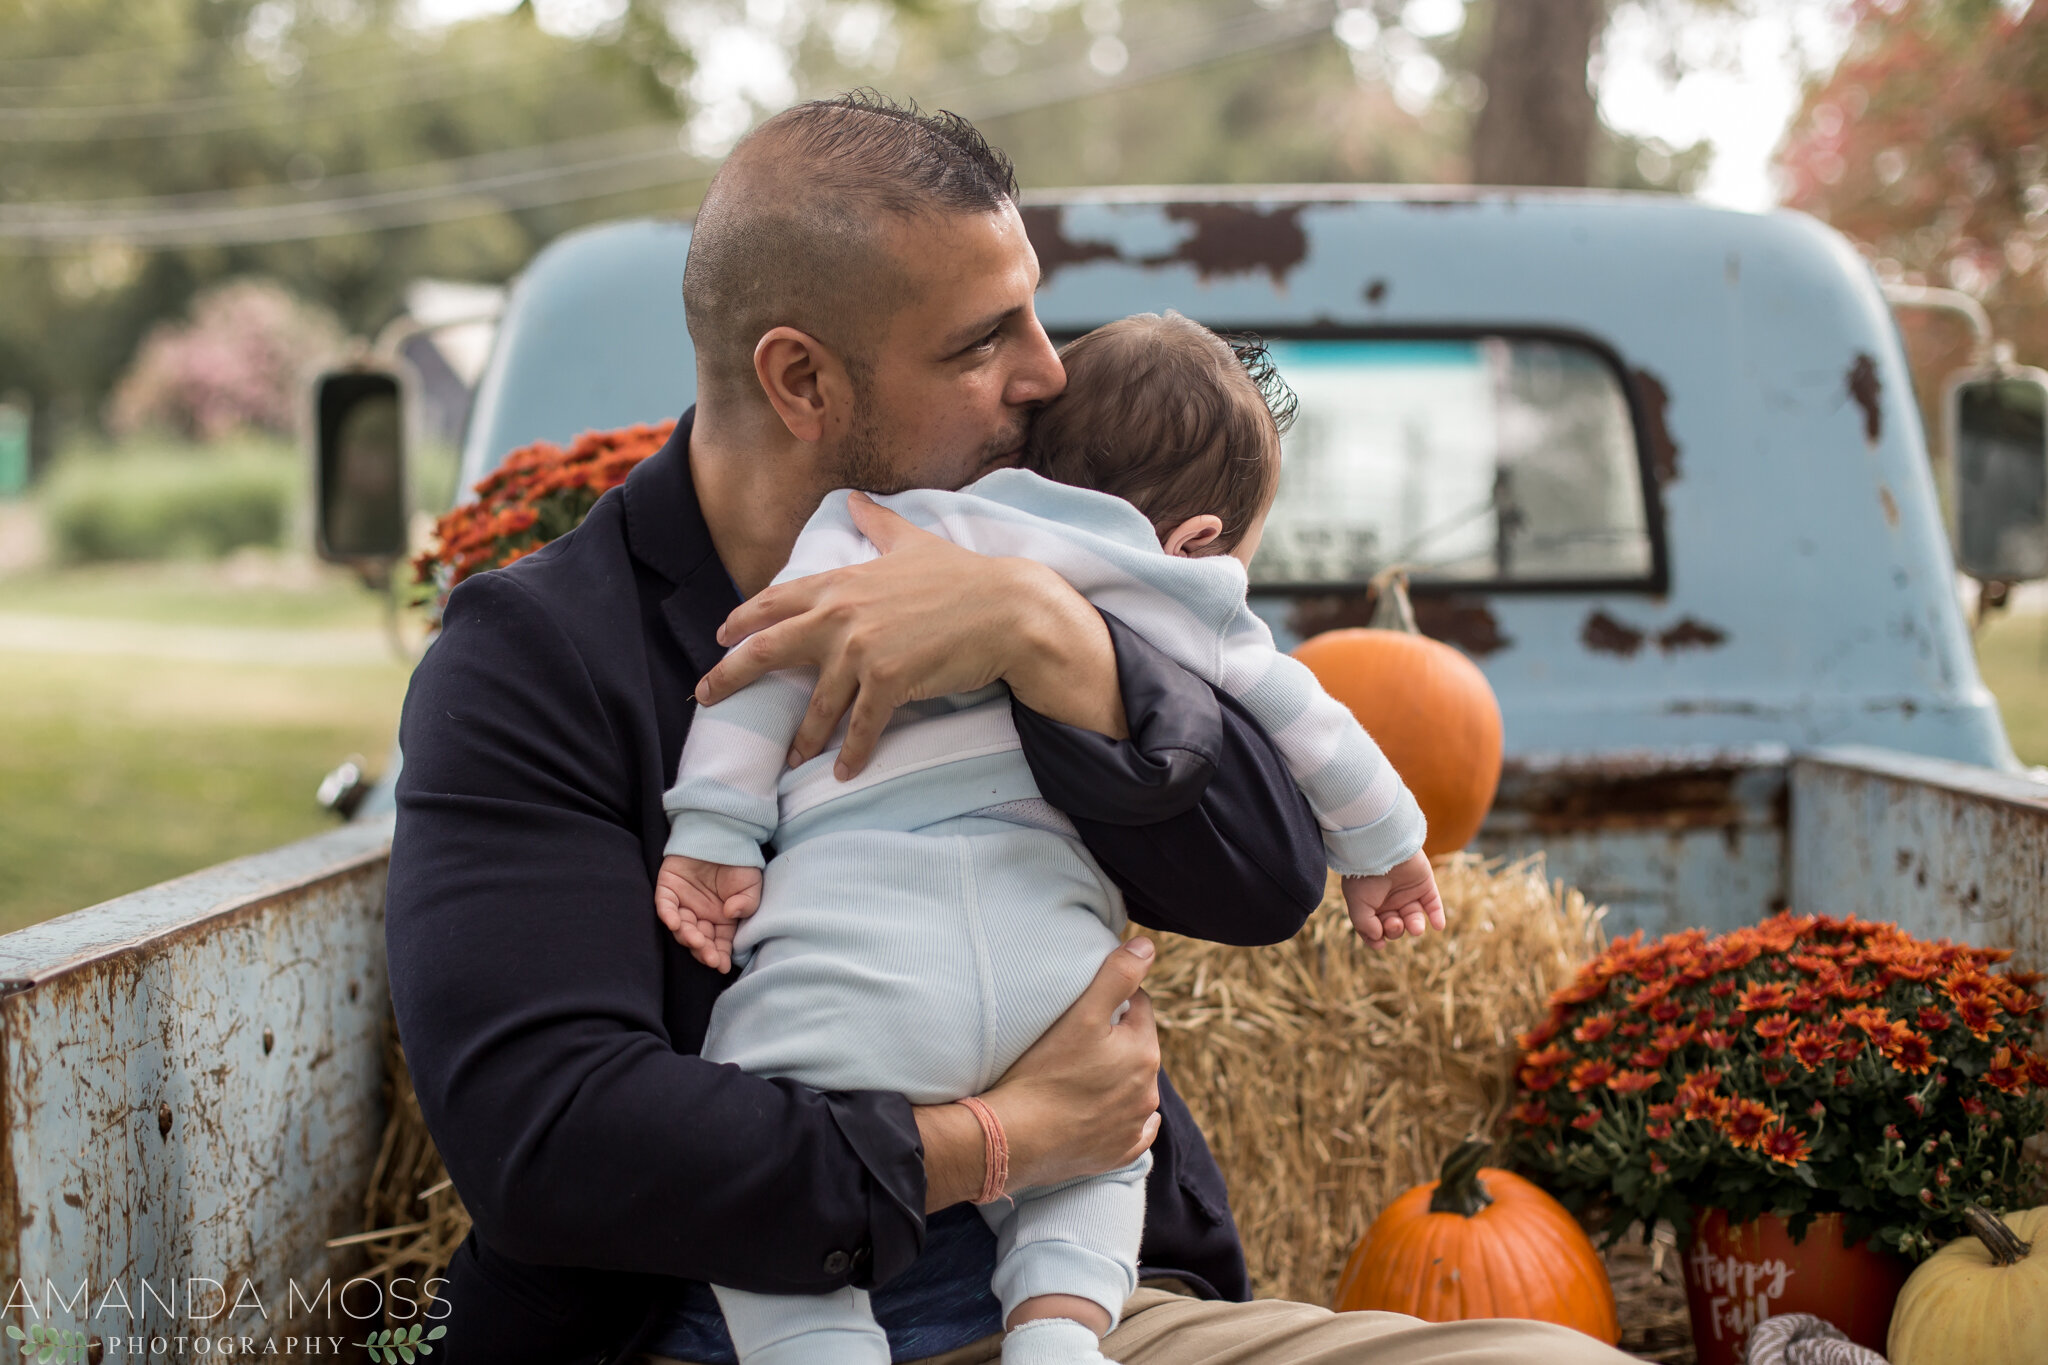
{"x":1403,"y":900}
{"x":702,"y":904}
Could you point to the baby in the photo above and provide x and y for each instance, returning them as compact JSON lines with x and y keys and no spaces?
{"x":925,"y":921}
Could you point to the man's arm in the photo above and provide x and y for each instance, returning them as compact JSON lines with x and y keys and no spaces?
{"x":1195,"y":815}
{"x":527,"y":970}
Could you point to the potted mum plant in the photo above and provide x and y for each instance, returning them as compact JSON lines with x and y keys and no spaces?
{"x":541,"y":491}
{"x":1811,"y":1102}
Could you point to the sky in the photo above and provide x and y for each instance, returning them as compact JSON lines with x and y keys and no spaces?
{"x":1745,"y":71}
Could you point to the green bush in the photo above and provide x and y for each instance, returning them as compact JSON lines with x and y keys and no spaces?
{"x":171,"y":503}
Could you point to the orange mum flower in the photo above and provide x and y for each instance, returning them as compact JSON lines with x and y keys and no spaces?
{"x":1979,"y":1016}
{"x":1540,"y":1080}
{"x":1550,"y":1056}
{"x":2006,"y":1072}
{"x":1594,"y":1029}
{"x":1590,"y":1074}
{"x":1584,"y":1122}
{"x":1541,"y":1034}
{"x":2037,"y":1071}
{"x":1770,"y":995}
{"x":1932,"y":1019}
{"x":1906,"y":1050}
{"x":1747,"y":1122}
{"x":1774,"y":1026}
{"x":1531,"y":1113}
{"x":1632,"y":1082}
{"x":1783,"y":1143}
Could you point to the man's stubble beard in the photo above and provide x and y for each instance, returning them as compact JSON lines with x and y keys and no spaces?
{"x":861,"y":462}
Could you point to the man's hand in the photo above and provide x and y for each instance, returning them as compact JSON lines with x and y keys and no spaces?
{"x":926,"y":619}
{"x":702,"y":903}
{"x":1083,"y":1100}
{"x":1403,"y":900}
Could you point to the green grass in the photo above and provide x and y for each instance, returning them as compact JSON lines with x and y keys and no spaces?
{"x":245,"y":592}
{"x":118,"y":773}
{"x":2012,"y":654}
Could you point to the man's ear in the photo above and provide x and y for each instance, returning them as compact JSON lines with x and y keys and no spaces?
{"x":803,"y":381}
{"x":1195,"y":536}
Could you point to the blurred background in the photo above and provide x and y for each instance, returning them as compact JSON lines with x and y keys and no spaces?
{"x":203,"y":200}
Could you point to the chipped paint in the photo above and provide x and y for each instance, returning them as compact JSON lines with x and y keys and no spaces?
{"x":1459,"y":619}
{"x":1890,"y":505}
{"x":1604,"y":635}
{"x":1865,"y":388}
{"x":1691,"y":634}
{"x":1045,"y":225}
{"x":1375,"y":292}
{"x":1237,"y":239}
{"x":1656,"y":403}
{"x":145,"y":1132}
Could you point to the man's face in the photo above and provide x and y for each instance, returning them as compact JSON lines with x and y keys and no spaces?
{"x":953,"y":377}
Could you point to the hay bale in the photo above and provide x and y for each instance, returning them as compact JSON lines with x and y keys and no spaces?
{"x":1330,"y":1078}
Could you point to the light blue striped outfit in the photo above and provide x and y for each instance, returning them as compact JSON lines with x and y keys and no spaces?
{"x":923,"y":923}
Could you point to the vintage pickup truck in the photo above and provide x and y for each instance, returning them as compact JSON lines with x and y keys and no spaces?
{"x":1656,"y":467}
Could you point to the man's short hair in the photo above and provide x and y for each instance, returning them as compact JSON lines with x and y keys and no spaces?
{"x":792,"y":229}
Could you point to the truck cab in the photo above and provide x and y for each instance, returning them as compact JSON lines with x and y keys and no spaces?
{"x":1654,"y":466}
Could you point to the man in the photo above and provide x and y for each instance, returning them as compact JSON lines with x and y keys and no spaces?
{"x":859,"y":292}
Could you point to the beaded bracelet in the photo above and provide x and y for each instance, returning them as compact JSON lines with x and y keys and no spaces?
{"x":995,"y":1151}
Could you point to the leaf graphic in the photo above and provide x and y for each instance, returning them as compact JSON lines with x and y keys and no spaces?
{"x":405,"y":1354}
{"x":438,"y":1332}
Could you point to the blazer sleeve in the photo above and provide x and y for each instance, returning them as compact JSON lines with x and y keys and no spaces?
{"x":1195,"y":816}
{"x":527,"y":972}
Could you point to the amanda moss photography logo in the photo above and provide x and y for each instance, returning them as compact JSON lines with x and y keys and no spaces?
{"x":204,"y":1318}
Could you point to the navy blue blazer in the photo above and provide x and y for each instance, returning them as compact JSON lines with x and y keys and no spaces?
{"x":550,"y":1022}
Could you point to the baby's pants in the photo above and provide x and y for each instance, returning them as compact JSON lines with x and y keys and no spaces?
{"x":926,"y":963}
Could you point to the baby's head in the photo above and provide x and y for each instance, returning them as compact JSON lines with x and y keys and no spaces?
{"x":1170,"y":417}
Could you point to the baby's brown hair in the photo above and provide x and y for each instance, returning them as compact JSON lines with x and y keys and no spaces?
{"x":1172,"y":418}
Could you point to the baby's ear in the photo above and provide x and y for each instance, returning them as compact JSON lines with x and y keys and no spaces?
{"x":1194,"y":537}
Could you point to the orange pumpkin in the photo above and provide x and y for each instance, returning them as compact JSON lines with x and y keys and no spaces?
{"x":1429,"y":707}
{"x":1480,"y":1243}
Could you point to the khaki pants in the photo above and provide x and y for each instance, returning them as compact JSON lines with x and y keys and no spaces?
{"x":1162,"y":1328}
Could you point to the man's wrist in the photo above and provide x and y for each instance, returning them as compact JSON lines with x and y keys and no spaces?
{"x":953,"y":1155}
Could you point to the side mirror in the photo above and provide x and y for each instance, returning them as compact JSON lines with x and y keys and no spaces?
{"x":1998,"y":441}
{"x":359,"y":467}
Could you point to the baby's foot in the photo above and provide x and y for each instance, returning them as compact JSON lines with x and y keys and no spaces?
{"x":1053,"y":1341}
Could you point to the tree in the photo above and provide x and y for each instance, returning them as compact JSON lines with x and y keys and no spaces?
{"x":1538,"y":122}
{"x":1928,"y":146}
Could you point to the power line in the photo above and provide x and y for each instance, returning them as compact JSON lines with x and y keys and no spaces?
{"x":584,"y":169}
{"x":238,"y":111}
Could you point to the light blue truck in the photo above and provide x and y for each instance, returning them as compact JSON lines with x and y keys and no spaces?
{"x":1655,"y":466}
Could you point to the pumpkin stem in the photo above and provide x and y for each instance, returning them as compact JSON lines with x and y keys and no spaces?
{"x":2002,"y":1242}
{"x":1391,"y":609}
{"x":1459,"y":1189}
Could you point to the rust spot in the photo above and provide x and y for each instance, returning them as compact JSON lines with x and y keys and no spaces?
{"x":1630,"y":793}
{"x":163,"y":1119}
{"x":1889,"y":503}
{"x":1691,"y":634}
{"x":1045,"y":225}
{"x":1376,"y":292}
{"x":269,"y":1041}
{"x":1466,"y":622}
{"x":1864,"y":387}
{"x":1656,"y":399}
{"x":355,"y":988}
{"x":73,"y":1200}
{"x":1236,"y":239}
{"x":1605,"y":635}
{"x":1463,"y":621}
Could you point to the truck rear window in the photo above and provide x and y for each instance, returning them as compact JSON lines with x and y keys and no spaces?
{"x":1495,"y":460}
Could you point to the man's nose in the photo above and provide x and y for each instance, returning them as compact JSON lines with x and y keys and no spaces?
{"x":1039,"y":376}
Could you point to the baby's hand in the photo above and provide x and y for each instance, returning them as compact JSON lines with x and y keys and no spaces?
{"x":702,"y":902}
{"x":1401,"y":901}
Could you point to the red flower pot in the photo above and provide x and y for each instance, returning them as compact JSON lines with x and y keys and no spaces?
{"x":1735,"y":1277}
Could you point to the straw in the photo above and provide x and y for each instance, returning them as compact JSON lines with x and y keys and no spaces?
{"x":1330,"y":1078}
